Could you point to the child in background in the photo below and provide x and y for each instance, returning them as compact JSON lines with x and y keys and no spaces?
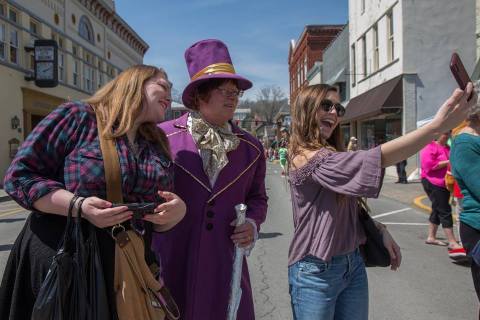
{"x":282,"y":153}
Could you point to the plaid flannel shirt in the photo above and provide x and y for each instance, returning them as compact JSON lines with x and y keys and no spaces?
{"x":63,"y":152}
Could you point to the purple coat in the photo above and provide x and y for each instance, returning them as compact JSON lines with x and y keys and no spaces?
{"x":197,"y":254}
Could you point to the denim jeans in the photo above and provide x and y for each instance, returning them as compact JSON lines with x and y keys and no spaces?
{"x":326,"y":291}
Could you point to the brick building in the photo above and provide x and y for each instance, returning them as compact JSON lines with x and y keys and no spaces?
{"x":308,"y":49}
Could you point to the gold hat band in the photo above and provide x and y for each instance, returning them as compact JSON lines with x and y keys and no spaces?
{"x":214,"y":69}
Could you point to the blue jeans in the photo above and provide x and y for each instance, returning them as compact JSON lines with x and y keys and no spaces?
{"x":326,"y":291}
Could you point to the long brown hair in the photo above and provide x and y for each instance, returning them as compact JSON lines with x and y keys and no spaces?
{"x":306,"y":133}
{"x":119,"y":104}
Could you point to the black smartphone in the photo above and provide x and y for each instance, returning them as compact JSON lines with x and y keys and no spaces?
{"x":138,"y":209}
{"x":459,"y":72}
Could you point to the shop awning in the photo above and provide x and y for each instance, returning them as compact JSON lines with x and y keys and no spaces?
{"x":375,"y":101}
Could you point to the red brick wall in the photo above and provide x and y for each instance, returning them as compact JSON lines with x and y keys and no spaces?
{"x":313,"y":42}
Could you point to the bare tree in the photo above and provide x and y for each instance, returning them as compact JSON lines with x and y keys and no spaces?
{"x":176,"y":95}
{"x":270,"y":100}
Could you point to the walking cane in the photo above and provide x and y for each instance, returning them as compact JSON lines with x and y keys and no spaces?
{"x":235,"y":290}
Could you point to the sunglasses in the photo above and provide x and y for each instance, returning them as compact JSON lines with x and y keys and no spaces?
{"x":328,"y":105}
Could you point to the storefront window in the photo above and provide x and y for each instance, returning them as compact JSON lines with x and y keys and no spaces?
{"x":377,"y":131}
{"x":345,"y":134}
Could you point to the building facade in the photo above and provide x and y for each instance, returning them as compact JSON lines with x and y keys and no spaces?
{"x":399,"y":62}
{"x":175,"y":111}
{"x":306,"y":51}
{"x":335,"y":71}
{"x":94,"y":45}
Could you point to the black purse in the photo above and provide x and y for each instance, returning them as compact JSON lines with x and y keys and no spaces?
{"x":373,"y":251}
{"x":74,"y":287}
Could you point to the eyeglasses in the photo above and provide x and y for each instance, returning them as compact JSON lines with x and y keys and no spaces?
{"x":231,"y":93}
{"x":328,"y":105}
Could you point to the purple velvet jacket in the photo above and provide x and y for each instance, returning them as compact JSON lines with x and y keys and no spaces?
{"x":197,"y":254}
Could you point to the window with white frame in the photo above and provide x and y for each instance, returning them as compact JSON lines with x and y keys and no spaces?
{"x":375,"y":48}
{"x":12,"y":15}
{"x":3,"y":44}
{"x":85,"y":29}
{"x":76,"y":73}
{"x":59,"y":40}
{"x":2,"y":9}
{"x":30,"y":59}
{"x":87,"y":57}
{"x":75,"y":50}
{"x":87,"y":80}
{"x":354,"y":66}
{"x":61,"y":66}
{"x":302,"y":75}
{"x":34,"y":27}
{"x":305,"y":65}
{"x":100,"y":79}
{"x":29,"y":56}
{"x":364,"y":56}
{"x":14,"y":46}
{"x":390,"y":35}
{"x":93,"y":76}
{"x":298,"y":76}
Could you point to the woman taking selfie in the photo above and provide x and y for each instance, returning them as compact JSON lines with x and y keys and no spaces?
{"x":326,"y":271}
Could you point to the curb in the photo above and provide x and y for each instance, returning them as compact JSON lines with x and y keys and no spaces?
{"x":418,"y":202}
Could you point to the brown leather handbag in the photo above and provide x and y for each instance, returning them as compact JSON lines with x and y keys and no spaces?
{"x":139,"y":295}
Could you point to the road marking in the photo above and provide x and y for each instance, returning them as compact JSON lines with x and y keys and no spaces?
{"x":406,"y":223}
{"x":391,"y":212}
{"x":418,"y":202}
{"x":9,"y":213}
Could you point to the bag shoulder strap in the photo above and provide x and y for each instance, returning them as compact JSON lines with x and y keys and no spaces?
{"x":111,"y":164}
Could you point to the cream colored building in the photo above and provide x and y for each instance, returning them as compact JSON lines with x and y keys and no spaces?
{"x":95,"y":44}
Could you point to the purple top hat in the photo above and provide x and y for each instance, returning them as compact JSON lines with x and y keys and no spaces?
{"x":209,"y":59}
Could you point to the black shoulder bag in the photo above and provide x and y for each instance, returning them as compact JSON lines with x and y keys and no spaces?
{"x":373,"y":251}
{"x":74,"y":287}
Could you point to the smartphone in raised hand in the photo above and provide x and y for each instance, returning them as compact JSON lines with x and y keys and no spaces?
{"x":459,"y":72}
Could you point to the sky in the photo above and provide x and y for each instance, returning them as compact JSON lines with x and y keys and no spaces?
{"x":257,"y":33}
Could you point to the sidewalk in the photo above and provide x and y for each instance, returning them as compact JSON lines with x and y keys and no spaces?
{"x":3,"y":196}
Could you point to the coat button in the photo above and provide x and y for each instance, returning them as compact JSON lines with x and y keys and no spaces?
{"x":210,"y":214}
{"x":211,"y":203}
{"x":209,"y":226}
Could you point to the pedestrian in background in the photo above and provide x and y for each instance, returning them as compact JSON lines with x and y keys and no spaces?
{"x":465,"y":159}
{"x":62,"y":158}
{"x":327,"y":274}
{"x":456,"y":199}
{"x":401,"y":172}
{"x":352,"y":144}
{"x":434,"y":159}
{"x":283,"y":149}
{"x":217,"y":166}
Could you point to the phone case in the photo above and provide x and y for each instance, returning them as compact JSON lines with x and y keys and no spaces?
{"x":458,"y":71}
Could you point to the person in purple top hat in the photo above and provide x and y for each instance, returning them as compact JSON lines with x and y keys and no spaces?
{"x":217,"y":166}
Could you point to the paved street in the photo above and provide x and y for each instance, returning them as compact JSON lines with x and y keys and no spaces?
{"x":428,"y":285}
